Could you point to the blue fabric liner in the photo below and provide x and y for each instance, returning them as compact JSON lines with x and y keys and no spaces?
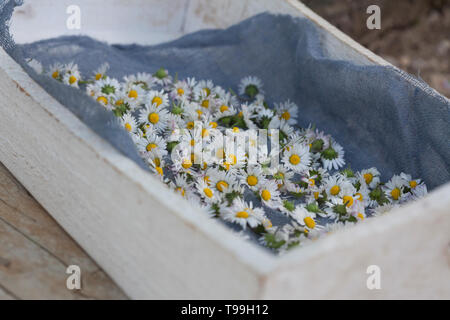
{"x":382,"y":116}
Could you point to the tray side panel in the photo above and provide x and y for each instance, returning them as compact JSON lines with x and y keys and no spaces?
{"x":410,"y":246}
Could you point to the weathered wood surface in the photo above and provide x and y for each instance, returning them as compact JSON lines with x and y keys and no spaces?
{"x":35,"y":252}
{"x":129,"y":235}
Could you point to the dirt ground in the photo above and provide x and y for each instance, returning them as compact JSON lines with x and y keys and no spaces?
{"x":414,"y":34}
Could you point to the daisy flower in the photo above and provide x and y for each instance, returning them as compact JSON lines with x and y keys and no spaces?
{"x":142,"y":79}
{"x":100,"y":72}
{"x":204,"y":88}
{"x":333,"y":157}
{"x":180,"y":91}
{"x":394,"y":188}
{"x":243,"y":213}
{"x":297,"y":158}
{"x":370,"y":176}
{"x":337,"y":187}
{"x":56,"y":71}
{"x":304,"y":217}
{"x":128,"y":122}
{"x":287,"y":111}
{"x":250,"y":86}
{"x":253,"y":177}
{"x":270,"y":196}
{"x":155,"y":117}
{"x":223,"y":182}
{"x":206,"y":192}
{"x":151,"y":142}
{"x":181,"y":186}
{"x":157,"y":98}
{"x":412,"y":183}
{"x":135,"y":94}
{"x":71,"y":75}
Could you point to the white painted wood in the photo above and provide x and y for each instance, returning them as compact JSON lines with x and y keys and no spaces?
{"x":154,"y":244}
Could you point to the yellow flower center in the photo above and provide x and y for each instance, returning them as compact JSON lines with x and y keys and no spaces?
{"x":233,"y":159}
{"x":151,"y":146}
{"x":55,"y":74}
{"x":360,"y":196}
{"x":199,"y":113}
{"x":265,"y":194}
{"x":286,"y":115}
{"x":128,"y":127}
{"x":368,"y":177}
{"x":235,"y":129}
{"x":190,"y":125}
{"x":119,"y":102}
{"x":205,"y":103}
{"x":335,"y":190}
{"x":205,"y":132}
{"x":294,"y":159}
{"x":360,"y":215}
{"x":102,"y":100}
{"x":98,"y":76}
{"x":157,"y":162}
{"x":252,"y":180}
{"x":348,"y":201}
{"x":180,"y":91}
{"x":395,"y":193}
{"x":242,"y":214}
{"x":310,"y":223}
{"x":312,"y":182}
{"x":133,"y":94}
{"x":213,"y":124}
{"x":72,"y":79}
{"x":208,"y":192}
{"x":157,"y":100}
{"x":153,"y":118}
{"x":159,"y":170}
{"x":240,"y":114}
{"x":223,"y":108}
{"x":413,"y":184}
{"x":180,"y":190}
{"x":221,"y":185}
{"x":192,"y":142}
{"x":186,"y":163}
{"x":316,"y":195}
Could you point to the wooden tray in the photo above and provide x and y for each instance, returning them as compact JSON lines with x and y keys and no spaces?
{"x":153,"y":243}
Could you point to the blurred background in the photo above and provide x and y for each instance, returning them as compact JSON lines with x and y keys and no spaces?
{"x":414,"y":35}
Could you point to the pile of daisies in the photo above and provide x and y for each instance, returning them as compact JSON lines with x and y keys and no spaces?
{"x":171,"y":121}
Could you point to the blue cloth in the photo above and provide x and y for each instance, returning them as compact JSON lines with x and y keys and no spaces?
{"x":382,"y":116}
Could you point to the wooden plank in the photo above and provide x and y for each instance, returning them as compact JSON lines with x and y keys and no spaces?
{"x":35,"y":252}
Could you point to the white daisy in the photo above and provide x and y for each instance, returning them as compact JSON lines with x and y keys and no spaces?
{"x":394,"y":188}
{"x":250,"y":86}
{"x":155,"y":117}
{"x":297,"y":158}
{"x":100,"y":72}
{"x":157,"y":98}
{"x":370,"y":176}
{"x":333,"y":157}
{"x":253,"y":177}
{"x":270,"y":196}
{"x":287,"y":111}
{"x":128,"y":122}
{"x":243,"y":213}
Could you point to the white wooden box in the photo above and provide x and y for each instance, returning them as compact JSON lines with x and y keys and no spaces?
{"x":151,"y":242}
